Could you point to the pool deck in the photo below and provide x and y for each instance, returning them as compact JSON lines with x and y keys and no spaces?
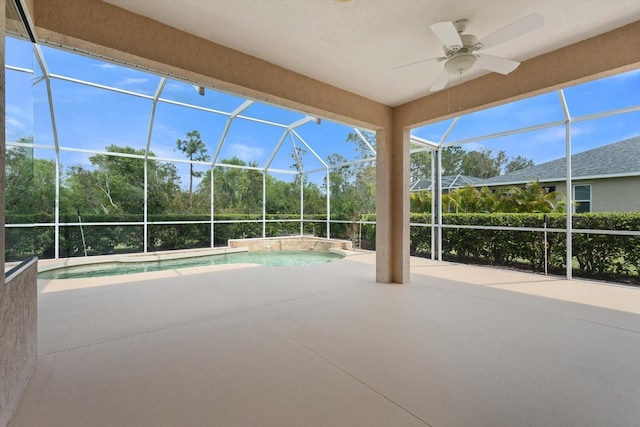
{"x":324,"y":345}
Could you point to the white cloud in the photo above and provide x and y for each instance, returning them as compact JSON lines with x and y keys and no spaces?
{"x":166,"y":152}
{"x":548,"y":135}
{"x":17,"y":122}
{"x":106,"y":66}
{"x":132,"y":81}
{"x":173,"y":87}
{"x":244,"y":152}
{"x":473,"y":146}
{"x":16,"y":110}
{"x":559,"y":133}
{"x":580,"y":129}
{"x":14,"y":124}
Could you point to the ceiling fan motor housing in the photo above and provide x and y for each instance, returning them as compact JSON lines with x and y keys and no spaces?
{"x":462,"y":59}
{"x":469,"y":44}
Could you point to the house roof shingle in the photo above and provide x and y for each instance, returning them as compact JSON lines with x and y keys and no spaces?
{"x":619,"y":158}
{"x":448,"y":181}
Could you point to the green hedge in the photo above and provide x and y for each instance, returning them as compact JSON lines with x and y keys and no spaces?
{"x":595,"y":255}
{"x":501,"y":247}
{"x":100,"y":240}
{"x":608,"y":256}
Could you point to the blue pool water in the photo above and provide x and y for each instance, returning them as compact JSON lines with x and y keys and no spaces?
{"x":275,"y":258}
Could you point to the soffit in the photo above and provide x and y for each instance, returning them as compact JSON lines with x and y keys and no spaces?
{"x":355,"y":45}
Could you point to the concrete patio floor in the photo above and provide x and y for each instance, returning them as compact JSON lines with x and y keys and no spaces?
{"x":325,"y":345}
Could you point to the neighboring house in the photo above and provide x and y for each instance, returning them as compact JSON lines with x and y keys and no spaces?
{"x":604,"y":179}
{"x":449,"y":182}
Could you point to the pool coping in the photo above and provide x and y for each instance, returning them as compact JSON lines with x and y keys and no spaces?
{"x":53,"y":264}
{"x":55,"y":285}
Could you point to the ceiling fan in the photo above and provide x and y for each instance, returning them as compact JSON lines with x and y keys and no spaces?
{"x":463,"y":51}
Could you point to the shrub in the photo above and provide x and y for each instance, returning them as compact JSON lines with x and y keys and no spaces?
{"x":599,"y":256}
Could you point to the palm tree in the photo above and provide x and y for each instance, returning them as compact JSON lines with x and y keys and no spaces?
{"x":532,"y":198}
{"x":194,"y":149}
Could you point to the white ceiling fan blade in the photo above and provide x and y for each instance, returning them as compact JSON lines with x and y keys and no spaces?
{"x":513,"y":30}
{"x":496,"y":64}
{"x":446,"y":32}
{"x":417,"y":62}
{"x":441,"y":82}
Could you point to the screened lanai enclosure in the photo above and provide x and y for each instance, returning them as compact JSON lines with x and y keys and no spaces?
{"x":107,"y":158}
{"x":548,"y":183}
{"x":104,"y":158}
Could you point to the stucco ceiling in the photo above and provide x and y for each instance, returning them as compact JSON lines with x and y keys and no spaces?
{"x":356,"y":45}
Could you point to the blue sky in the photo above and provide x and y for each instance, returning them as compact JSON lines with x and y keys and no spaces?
{"x":92,"y":118}
{"x":611,"y":93}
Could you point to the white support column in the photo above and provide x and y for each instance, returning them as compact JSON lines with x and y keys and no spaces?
{"x":438,"y":192}
{"x":264,"y":204}
{"x":145,"y":214}
{"x":152,"y":116}
{"x":2,"y":144}
{"x":328,"y":204}
{"x":433,"y":206}
{"x":569,"y":206}
{"x":56,"y":227}
{"x":54,"y":129}
{"x":212,"y":207}
{"x":569,"y":189}
{"x":438,"y":177}
{"x":301,"y":204}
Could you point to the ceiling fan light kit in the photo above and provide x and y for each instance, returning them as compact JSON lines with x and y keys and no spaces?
{"x":460,"y":63}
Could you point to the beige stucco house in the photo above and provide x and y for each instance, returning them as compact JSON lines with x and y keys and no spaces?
{"x":605,"y":179}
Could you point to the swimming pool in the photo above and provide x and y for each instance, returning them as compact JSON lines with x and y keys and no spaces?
{"x":270,"y":258}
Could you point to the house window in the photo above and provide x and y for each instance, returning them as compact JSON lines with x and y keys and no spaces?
{"x":582,"y":197}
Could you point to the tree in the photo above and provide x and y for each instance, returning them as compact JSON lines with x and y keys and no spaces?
{"x":420,"y":201}
{"x":420,"y":165}
{"x":195,"y":150}
{"x":163,"y":188}
{"x":298,"y":165}
{"x":481,"y":164}
{"x":451,"y":161}
{"x":236,"y":190}
{"x":115,"y":184}
{"x":315,"y":202}
{"x":466,"y":199}
{"x":531,"y":198}
{"x":352,"y":187}
{"x":29,"y":183}
{"x":282,"y":197}
{"x":517,"y":163}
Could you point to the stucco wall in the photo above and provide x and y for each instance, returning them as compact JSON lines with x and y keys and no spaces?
{"x":611,"y":194}
{"x":615,"y":195}
{"x":18,"y":346}
{"x":290,"y":244}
